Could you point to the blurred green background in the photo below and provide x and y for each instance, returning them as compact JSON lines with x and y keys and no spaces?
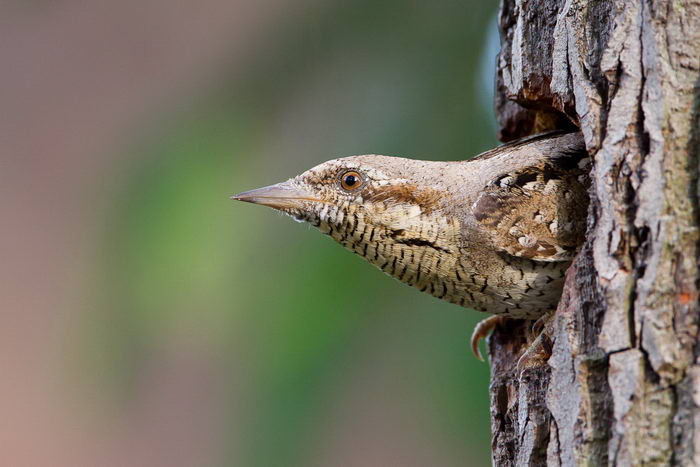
{"x":179,"y":328}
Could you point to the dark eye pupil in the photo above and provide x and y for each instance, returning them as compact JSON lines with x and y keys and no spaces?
{"x":350,"y":180}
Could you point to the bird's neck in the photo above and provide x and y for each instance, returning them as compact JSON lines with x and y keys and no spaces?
{"x":420,"y":249}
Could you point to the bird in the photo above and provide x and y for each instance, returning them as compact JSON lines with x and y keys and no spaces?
{"x":494,"y":233}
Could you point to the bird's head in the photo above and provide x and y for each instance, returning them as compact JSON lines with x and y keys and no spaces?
{"x":378,"y":191}
{"x":376,"y":206}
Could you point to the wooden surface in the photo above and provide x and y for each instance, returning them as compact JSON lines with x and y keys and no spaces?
{"x":622,"y":385}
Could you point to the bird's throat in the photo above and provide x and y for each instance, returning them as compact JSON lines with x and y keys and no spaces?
{"x":418,"y":249}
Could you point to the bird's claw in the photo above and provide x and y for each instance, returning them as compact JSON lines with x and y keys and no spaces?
{"x":536,"y":355}
{"x":482,"y":329}
{"x":539,"y":324}
{"x":539,"y":351}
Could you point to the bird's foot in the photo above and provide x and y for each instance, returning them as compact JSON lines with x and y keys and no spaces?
{"x":482,"y":329}
{"x":538,"y":352}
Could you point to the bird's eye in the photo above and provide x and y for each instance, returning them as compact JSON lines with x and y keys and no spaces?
{"x":351,"y":180}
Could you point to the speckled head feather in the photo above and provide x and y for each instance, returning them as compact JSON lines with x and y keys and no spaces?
{"x":494,"y":233}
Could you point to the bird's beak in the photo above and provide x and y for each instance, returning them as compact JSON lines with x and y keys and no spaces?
{"x":280,"y":196}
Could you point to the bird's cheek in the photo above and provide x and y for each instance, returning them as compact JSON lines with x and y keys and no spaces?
{"x":398,"y":217}
{"x":322,"y":212}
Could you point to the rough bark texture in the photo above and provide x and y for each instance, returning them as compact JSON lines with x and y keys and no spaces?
{"x":622,"y":386}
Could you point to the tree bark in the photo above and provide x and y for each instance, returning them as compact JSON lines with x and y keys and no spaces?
{"x":622,"y":386}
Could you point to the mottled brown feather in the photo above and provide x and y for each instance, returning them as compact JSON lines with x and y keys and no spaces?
{"x":427,"y":198}
{"x":536,"y":212}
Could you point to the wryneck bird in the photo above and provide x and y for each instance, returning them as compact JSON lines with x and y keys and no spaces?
{"x":494,"y":233}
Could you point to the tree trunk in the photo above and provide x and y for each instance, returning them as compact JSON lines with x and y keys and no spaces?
{"x":622,"y":386}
